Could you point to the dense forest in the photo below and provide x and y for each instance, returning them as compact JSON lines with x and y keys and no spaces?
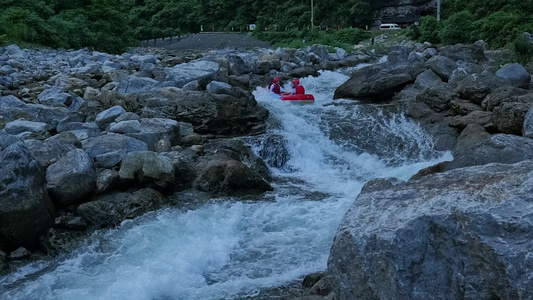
{"x":113,"y":25}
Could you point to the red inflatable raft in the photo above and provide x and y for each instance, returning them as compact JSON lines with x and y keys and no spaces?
{"x":298,"y":98}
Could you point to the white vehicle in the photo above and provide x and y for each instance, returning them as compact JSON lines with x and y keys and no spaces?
{"x":386,"y":26}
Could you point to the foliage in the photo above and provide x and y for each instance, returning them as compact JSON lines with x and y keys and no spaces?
{"x":113,"y":25}
{"x":497,"y":22}
{"x":524,"y":50}
{"x":457,"y":28}
{"x":413,"y":32}
{"x":429,"y":30}
{"x":99,"y":24}
{"x":344,"y":38}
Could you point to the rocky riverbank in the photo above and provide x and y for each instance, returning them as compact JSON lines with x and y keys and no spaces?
{"x":90,"y":139}
{"x":461,"y":229}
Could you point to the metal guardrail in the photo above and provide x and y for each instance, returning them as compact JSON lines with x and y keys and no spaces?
{"x":163,"y":41}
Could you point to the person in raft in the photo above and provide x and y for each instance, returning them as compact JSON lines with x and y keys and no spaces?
{"x":274,"y":87}
{"x":296,"y":87}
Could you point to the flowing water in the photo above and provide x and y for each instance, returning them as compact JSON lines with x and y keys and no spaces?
{"x":233,"y":249}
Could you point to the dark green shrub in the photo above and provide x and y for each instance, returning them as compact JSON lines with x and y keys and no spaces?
{"x":458,"y":28}
{"x":524,"y":50}
{"x":429,"y":30}
{"x":413,"y":32}
{"x":351,"y":35}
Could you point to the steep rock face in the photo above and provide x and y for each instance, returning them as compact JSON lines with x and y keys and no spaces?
{"x":462,"y":234}
{"x":405,"y":9}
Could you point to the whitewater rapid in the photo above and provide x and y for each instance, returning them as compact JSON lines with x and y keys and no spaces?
{"x":231,"y":249}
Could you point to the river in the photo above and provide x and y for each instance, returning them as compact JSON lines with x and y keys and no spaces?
{"x":231,"y":249}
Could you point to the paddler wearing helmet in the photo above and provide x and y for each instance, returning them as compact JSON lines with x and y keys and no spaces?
{"x":275,"y":86}
{"x":296,"y":87}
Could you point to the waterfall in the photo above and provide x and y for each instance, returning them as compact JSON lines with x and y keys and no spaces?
{"x":231,"y":249}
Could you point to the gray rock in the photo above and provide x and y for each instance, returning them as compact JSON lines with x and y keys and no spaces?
{"x":231,"y":178}
{"x":110,"y":209}
{"x":127,"y":116}
{"x":482,"y":118}
{"x":7,"y":70}
{"x":236,"y":65}
{"x":500,"y":95}
{"x":516,"y":74}
{"x":476,"y":87}
{"x":509,"y":117}
{"x":111,"y":143}
{"x":377,"y":82}
{"x":442,"y":66}
{"x":202,"y":70}
{"x":498,"y":148}
{"x":152,"y":130}
{"x":462,"y":234}
{"x":321,"y":51}
{"x":55,"y":97}
{"x":26,"y":211}
{"x":131,"y":126}
{"x":20,"y":126}
{"x":438,"y":97}
{"x":192,"y":86}
{"x":20,"y":253}
{"x":13,"y":51}
{"x":222,"y":114}
{"x":106,"y":180}
{"x":110,"y":159}
{"x":90,"y":129}
{"x":72,"y":179}
{"x":134,"y":84}
{"x":147,"y":167}
{"x":217,"y":87}
{"x":7,"y":139}
{"x":49,"y":151}
{"x":108,"y":116}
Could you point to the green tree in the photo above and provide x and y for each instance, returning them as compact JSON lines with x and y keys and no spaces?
{"x":458,"y":28}
{"x":429,"y":30}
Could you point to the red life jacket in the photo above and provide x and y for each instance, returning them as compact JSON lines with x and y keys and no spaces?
{"x":276,"y":89}
{"x":300,"y":89}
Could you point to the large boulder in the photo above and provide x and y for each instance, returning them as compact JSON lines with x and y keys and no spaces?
{"x":442,"y":66}
{"x":477,"y":86}
{"x":438,"y":97}
{"x":111,"y":143}
{"x":72,"y":179}
{"x":509,"y":117}
{"x":49,"y":151}
{"x":231,"y":178}
{"x":497,"y":148}
{"x":229,"y":168}
{"x":462,"y":234}
{"x":145,"y":167}
{"x":153,"y":130}
{"x":20,"y":126}
{"x":109,"y":210}
{"x":500,"y":95}
{"x":516,"y":74}
{"x":13,"y":108}
{"x":221,"y":114}
{"x":378,"y":82}
{"x":202,"y":70}
{"x":26,"y":211}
